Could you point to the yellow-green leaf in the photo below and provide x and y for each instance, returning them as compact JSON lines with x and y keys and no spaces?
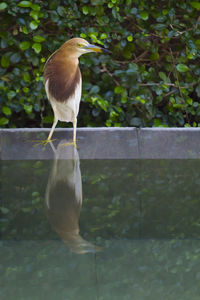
{"x":34,"y":14}
{"x":6,"y":110}
{"x":85,"y":10}
{"x":144,"y":15}
{"x":3,"y":121}
{"x":119,"y":89}
{"x":103,"y":36}
{"x":37,"y":47}
{"x":130,"y":38}
{"x":5,"y":61}
{"x":195,"y":4}
{"x":3,"y":5}
{"x":24,"y":45}
{"x":182,"y":68}
{"x":35,"y":7}
{"x":38,"y":38}
{"x":33,"y":25}
{"x":24,"y":4}
{"x":28,"y":108}
{"x":154,"y":56}
{"x":83,"y":35}
{"x":27,"y":77}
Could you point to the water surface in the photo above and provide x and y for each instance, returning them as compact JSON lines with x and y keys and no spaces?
{"x":100,"y":229}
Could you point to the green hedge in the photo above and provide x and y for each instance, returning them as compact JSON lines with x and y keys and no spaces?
{"x":151,"y":78}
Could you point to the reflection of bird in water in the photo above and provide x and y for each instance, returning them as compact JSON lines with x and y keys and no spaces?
{"x":63,"y":199}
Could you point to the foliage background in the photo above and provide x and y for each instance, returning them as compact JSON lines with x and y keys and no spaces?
{"x":151,"y":78}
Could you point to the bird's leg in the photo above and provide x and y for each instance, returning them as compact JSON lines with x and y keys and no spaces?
{"x":74,"y":131}
{"x":74,"y":134}
{"x":52,"y":130}
{"x":45,"y":142}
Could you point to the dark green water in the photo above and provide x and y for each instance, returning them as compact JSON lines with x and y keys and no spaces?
{"x":136,"y":234}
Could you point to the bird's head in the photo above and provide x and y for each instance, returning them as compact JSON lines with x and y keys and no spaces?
{"x":79,"y":46}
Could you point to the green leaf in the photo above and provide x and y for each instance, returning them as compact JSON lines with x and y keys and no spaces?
{"x":130,"y":38}
{"x":103,"y":36}
{"x":37,"y":47}
{"x":136,"y":122}
{"x":25,"y":89}
{"x":34,"y":14}
{"x":11,"y":94}
{"x":85,"y":10}
{"x":94,"y":90}
{"x":3,"y":121}
{"x":24,"y":4}
{"x":154,"y":56}
{"x":48,"y":119}
{"x":61,"y":11}
{"x":189,"y":101}
{"x":35,"y":7}
{"x":165,"y":11}
{"x":144,"y":15}
{"x":35,"y":194}
{"x":195,"y":4}
{"x":3,"y":44}
{"x":38,"y":38}
{"x":33,"y":25}
{"x":83,"y":35}
{"x":25,"y":30}
{"x":182,"y":68}
{"x":26,"y":209}
{"x":24,"y":45}
{"x":28,"y":108}
{"x":6,"y":110}
{"x":5,"y":61}
{"x":191,"y":55}
{"x":3,"y":5}
{"x":158,"y":90}
{"x":4,"y":210}
{"x":15,"y":58}
{"x":163,"y":76}
{"x":197,"y":42}
{"x":119,"y":89}
{"x":27,"y":77}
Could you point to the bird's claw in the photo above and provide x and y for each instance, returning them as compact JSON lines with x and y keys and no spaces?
{"x":42,"y":142}
{"x":70,"y":144}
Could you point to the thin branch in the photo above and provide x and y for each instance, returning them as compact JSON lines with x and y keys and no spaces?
{"x":169,"y":93}
{"x":137,"y":59}
{"x":110,"y":74}
{"x":158,"y":83}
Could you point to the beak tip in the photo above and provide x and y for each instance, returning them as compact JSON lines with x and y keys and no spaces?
{"x":106,"y":51}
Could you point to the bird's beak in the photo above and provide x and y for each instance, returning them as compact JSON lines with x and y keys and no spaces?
{"x":94,"y":48}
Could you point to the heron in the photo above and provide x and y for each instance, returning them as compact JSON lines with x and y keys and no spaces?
{"x":63,"y":81}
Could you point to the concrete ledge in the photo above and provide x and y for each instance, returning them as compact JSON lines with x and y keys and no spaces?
{"x":104,"y":143}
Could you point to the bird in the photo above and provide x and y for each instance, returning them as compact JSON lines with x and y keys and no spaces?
{"x":63,"y":198}
{"x":63,"y":81}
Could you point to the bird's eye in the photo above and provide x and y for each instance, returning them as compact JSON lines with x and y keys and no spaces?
{"x":80,"y":45}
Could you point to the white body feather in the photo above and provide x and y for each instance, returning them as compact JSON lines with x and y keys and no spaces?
{"x":68,"y":110}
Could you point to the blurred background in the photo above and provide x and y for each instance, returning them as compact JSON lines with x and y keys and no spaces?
{"x":150,"y":79}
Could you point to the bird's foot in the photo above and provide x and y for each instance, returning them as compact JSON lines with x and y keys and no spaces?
{"x":69,"y":144}
{"x":42,"y":142}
